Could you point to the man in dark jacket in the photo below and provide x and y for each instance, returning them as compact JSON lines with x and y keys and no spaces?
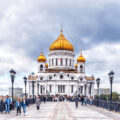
{"x":82,"y":100}
{"x":76,"y":102}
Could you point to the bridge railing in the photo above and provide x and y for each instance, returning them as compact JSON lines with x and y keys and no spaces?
{"x":115,"y":106}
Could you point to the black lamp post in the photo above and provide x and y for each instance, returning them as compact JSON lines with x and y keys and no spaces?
{"x":12,"y":75}
{"x":85,"y":88}
{"x":98,"y":84}
{"x":37,"y":88}
{"x":25,"y":81}
{"x":90,"y":88}
{"x":111,"y":77}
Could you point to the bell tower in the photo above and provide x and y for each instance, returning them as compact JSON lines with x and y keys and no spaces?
{"x":41,"y":63}
{"x":81,"y":64}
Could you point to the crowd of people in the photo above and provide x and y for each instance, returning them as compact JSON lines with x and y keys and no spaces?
{"x":21,"y":103}
{"x":18,"y":104}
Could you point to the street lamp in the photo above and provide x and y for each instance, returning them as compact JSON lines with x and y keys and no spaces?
{"x":98,"y":84}
{"x":12,"y":75}
{"x":111,"y":77}
{"x":90,"y":88}
{"x":25,"y":81}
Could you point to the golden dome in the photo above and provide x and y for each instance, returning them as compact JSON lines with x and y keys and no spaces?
{"x":46,"y":65}
{"x":81,"y":58}
{"x":76,"y":65}
{"x":61,"y":43}
{"x":41,"y":58}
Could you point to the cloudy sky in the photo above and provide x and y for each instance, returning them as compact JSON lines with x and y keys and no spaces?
{"x":27,"y":26}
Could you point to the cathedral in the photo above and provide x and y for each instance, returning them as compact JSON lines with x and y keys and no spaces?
{"x":59,"y":75}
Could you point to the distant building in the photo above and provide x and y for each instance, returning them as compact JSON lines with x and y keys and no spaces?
{"x":102,"y":91}
{"x":17,"y":92}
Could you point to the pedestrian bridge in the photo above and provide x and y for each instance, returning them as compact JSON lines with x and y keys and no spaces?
{"x":62,"y":111}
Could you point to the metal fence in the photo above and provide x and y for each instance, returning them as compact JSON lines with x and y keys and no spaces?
{"x":114,"y":106}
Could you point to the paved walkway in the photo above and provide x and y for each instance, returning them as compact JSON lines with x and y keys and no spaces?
{"x":63,"y":111}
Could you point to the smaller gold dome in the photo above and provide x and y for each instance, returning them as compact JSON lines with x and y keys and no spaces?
{"x":76,"y":65}
{"x":41,"y":58}
{"x":46,"y":65}
{"x":81,"y":58}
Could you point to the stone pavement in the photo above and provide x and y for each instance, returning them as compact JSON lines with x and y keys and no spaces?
{"x":62,"y":111}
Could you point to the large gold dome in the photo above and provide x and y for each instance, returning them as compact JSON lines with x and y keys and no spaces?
{"x":61,"y":44}
{"x":41,"y":58}
{"x":81,"y":58}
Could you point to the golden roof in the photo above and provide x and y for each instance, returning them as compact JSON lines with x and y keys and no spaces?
{"x":46,"y":65}
{"x":90,"y":77}
{"x":81,"y":58}
{"x":41,"y":58}
{"x":32,"y":77}
{"x":61,"y":43}
{"x":76,"y":65}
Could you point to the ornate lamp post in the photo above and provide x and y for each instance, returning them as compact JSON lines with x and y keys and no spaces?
{"x":12,"y":75}
{"x":111,"y":77}
{"x":90,"y":88}
{"x":98,"y":84}
{"x":25,"y":81}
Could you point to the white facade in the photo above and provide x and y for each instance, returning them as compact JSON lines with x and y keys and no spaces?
{"x":61,"y":77}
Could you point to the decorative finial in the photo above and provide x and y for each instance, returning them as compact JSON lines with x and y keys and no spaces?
{"x":81,"y":51}
{"x":61,"y":29}
{"x":41,"y":52}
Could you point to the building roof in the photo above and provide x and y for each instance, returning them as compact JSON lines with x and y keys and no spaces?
{"x":90,"y":78}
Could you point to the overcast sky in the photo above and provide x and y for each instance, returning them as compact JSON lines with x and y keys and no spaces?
{"x":27,"y":26}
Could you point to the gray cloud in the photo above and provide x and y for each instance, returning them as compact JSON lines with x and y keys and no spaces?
{"x":28,"y":26}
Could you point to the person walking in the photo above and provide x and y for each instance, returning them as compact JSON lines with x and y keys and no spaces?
{"x":7,"y":104}
{"x":18,"y":106}
{"x":38,"y":103}
{"x":85,"y":100}
{"x":24,"y":104}
{"x":44,"y":99}
{"x":2,"y":105}
{"x":82,"y":100}
{"x":76,"y":102}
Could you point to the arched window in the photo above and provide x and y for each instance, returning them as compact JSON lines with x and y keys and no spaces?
{"x":50,"y":77}
{"x":52,"y":62}
{"x":66,"y":61}
{"x":56,"y":61}
{"x":41,"y":67}
{"x":70,"y":62}
{"x":61,"y":76}
{"x":61,"y":61}
{"x":41,"y":78}
{"x":81,"y":68}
